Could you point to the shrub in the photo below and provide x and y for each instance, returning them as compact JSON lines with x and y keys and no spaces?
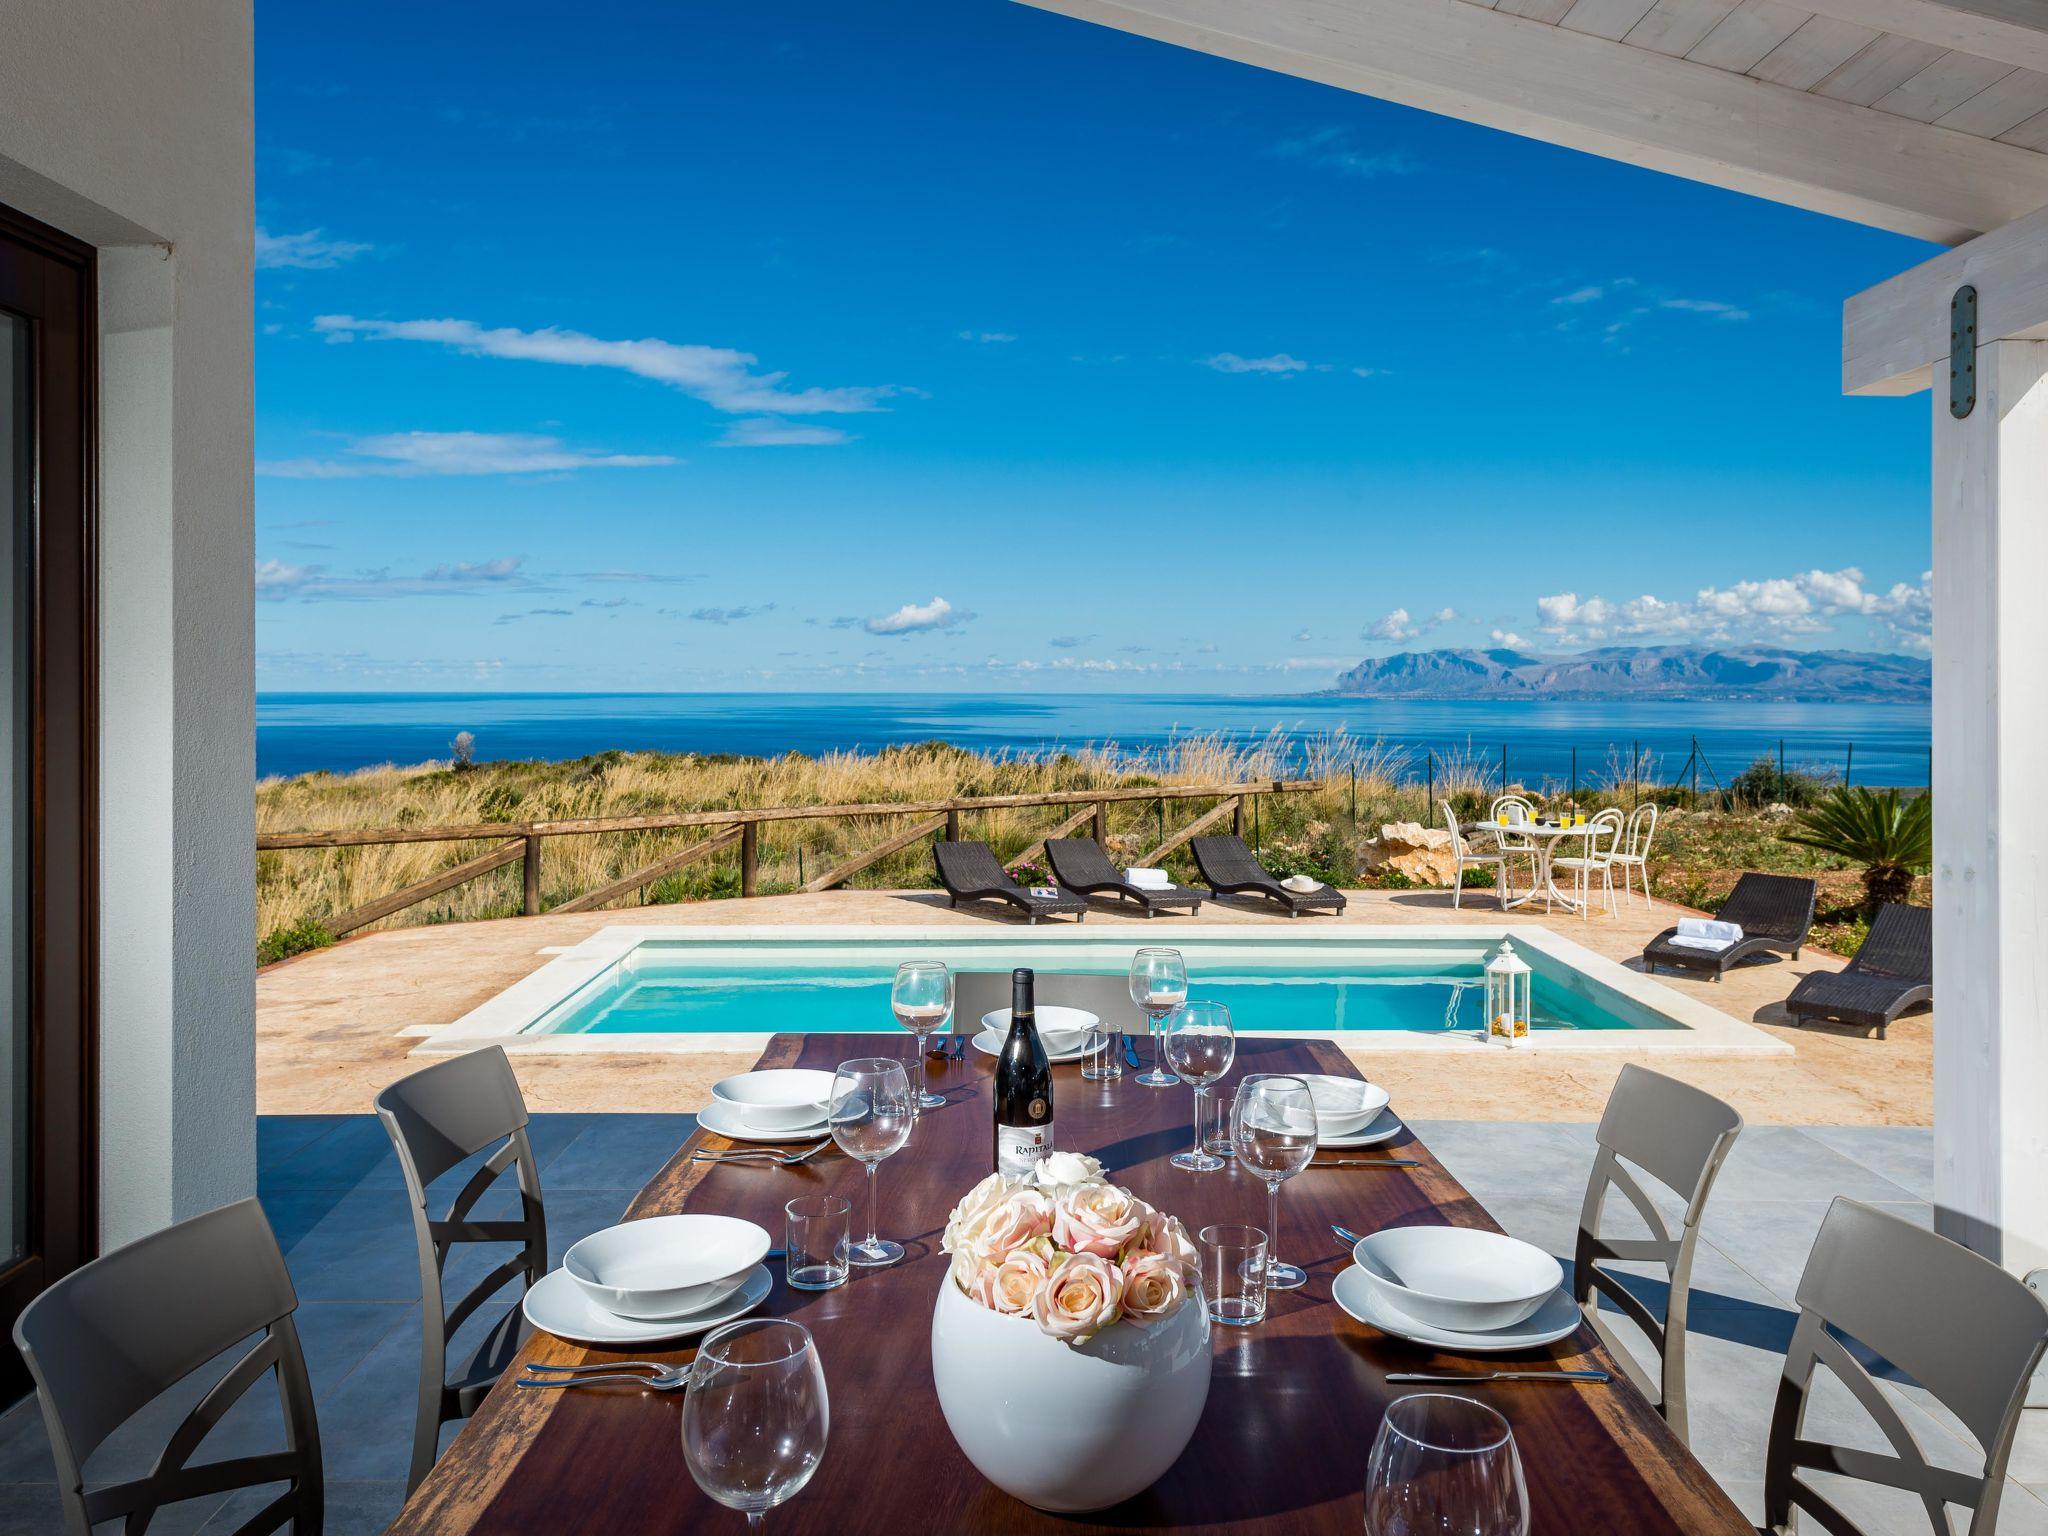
{"x":463,"y":749}
{"x":1891,"y":836}
{"x":1764,"y":783}
{"x":292,"y":939}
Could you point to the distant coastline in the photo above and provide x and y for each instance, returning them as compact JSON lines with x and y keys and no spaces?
{"x":1670,"y":672}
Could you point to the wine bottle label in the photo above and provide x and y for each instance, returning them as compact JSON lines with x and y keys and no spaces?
{"x":1020,"y":1147}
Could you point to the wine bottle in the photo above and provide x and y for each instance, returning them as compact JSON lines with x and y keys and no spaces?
{"x":1023,"y":1086}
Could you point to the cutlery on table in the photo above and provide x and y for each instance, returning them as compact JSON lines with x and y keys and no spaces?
{"x":1131,"y":1052}
{"x":759,"y":1154}
{"x":659,"y":1378}
{"x":1479,"y":1376}
{"x":1370,"y":1162}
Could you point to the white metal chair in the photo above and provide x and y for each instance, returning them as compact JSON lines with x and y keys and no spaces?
{"x":1469,"y":857}
{"x":1634,"y":851}
{"x":1603,"y":835}
{"x":1516,"y":808}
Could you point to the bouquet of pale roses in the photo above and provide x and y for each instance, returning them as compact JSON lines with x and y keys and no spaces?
{"x":1068,"y":1249}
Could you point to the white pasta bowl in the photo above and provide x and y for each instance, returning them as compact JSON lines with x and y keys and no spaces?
{"x":666,"y":1266}
{"x":1060,"y":1029}
{"x":1458,"y":1277}
{"x":779,"y":1099}
{"x":1344,"y":1105}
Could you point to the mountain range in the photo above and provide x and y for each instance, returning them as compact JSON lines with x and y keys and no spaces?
{"x":1643,"y":672}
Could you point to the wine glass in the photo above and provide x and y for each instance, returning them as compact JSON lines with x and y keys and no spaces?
{"x":1274,"y":1129}
{"x":755,"y":1415}
{"x":1159,"y":984}
{"x":872,"y":1110}
{"x":922,"y":999}
{"x":1200,"y":1045}
{"x":1444,"y":1464}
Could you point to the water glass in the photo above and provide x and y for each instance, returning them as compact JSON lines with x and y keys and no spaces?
{"x":1200,"y":1045}
{"x":872,"y":1111}
{"x":755,"y":1415}
{"x":1159,"y":984}
{"x":1444,"y":1464}
{"x":1234,"y":1274}
{"x":1216,"y":1134}
{"x":818,"y":1233}
{"x":922,"y":1000}
{"x":1102,"y":1057}
{"x":1274,"y":1128}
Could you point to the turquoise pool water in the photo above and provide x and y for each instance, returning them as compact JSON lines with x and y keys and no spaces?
{"x":684,"y":988}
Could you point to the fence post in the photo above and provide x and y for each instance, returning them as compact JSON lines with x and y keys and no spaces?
{"x":1635,"y":774}
{"x":1781,"y":765}
{"x":1572,"y":799}
{"x":1849,"y":765}
{"x":1102,"y":821}
{"x":1237,"y":817}
{"x":1159,"y":809}
{"x":530,"y":870}
{"x":952,"y":826}
{"x":1354,"y":799}
{"x":1257,"y":841}
{"x":749,"y":856}
{"x":1695,"y":761}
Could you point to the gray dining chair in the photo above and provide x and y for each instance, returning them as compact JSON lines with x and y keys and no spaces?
{"x":106,"y":1340}
{"x":438,"y":1119}
{"x":1679,"y":1136}
{"x":1964,"y":1329}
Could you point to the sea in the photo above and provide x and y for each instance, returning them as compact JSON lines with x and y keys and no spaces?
{"x":1543,"y":742}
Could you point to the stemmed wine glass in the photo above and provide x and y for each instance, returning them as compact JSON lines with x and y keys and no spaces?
{"x":922,"y":999}
{"x":1159,"y":984}
{"x":755,"y":1416}
{"x":871,"y":1115}
{"x":1274,"y":1129}
{"x":1444,"y":1463}
{"x":1200,"y":1045}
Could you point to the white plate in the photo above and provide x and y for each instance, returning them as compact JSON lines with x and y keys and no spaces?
{"x":665,"y":1267}
{"x":1056,"y":1021}
{"x":559,"y":1306}
{"x":1384,"y":1128}
{"x":1465,"y":1279}
{"x":1558,"y":1318}
{"x":778,"y":1096}
{"x":989,"y":1043}
{"x":1372,"y":1098}
{"x":724,"y":1119}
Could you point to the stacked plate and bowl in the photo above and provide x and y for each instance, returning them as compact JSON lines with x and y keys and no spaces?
{"x":1457,"y":1289}
{"x":665,"y":1277}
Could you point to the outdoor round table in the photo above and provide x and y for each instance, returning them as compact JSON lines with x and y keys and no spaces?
{"x":1544,"y":840}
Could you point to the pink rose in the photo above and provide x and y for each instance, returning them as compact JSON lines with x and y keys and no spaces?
{"x":1024,"y":1214}
{"x":1097,"y":1219}
{"x":1164,"y":1235}
{"x":1154,"y":1287}
{"x":1011,"y":1286}
{"x":1080,"y":1298}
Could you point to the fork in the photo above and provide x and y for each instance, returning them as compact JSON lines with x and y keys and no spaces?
{"x":1371,"y":1162}
{"x":1479,"y":1376}
{"x":662,"y":1378}
{"x":759,"y":1154}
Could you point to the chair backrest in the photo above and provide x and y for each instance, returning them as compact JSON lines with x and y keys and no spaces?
{"x":1771,"y":906}
{"x":1964,"y":1329}
{"x":1451,"y":823}
{"x":1510,"y":806}
{"x":969,"y":866}
{"x":1078,"y":861}
{"x":439,"y":1118}
{"x":1225,"y":860}
{"x":1679,"y":1136}
{"x":1900,"y":943}
{"x":106,"y":1340}
{"x":1604,"y":828}
{"x":1642,"y":827}
{"x":978,"y":993}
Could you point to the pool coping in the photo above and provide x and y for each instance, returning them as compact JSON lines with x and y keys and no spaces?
{"x":500,"y":1020}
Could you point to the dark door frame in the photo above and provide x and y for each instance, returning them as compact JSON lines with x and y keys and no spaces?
{"x":52,"y":280}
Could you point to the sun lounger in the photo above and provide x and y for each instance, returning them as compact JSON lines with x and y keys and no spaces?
{"x":1773,"y":911}
{"x":1229,"y":869}
{"x":1893,"y":969}
{"x":969,"y":872}
{"x":1079,"y":864}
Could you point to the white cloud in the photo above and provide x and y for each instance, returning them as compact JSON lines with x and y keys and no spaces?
{"x":1713,"y":308}
{"x":991,"y":337}
{"x":1401,"y":625}
{"x":1585,"y":295}
{"x":914,"y":618}
{"x":307,"y":250}
{"x":1332,"y":149}
{"x":277,"y":580}
{"x":456,"y":453}
{"x":1812,"y":602}
{"x":719,"y":376}
{"x":1278,"y":362}
{"x":729,"y":615}
{"x":768,"y":432}
{"x":1509,"y":639}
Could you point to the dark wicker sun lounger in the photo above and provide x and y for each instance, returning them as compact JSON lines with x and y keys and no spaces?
{"x":1893,"y":969}
{"x":1229,"y":869}
{"x":1079,"y":864}
{"x":1774,"y":912}
{"x":969,"y":872}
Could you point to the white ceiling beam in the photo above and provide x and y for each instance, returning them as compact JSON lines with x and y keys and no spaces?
{"x":1606,"y":98}
{"x":1895,"y":336}
{"x":2011,"y":31}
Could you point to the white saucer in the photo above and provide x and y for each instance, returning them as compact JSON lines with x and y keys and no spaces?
{"x":1557,"y":1318}
{"x":559,"y":1306}
{"x":989,"y":1043}
{"x":723,"y":1119}
{"x":1384,"y":1127}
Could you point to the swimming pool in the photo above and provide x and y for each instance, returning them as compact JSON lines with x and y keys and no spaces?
{"x":636,"y":989}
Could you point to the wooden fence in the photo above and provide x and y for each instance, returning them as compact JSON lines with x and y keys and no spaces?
{"x":522,"y":841}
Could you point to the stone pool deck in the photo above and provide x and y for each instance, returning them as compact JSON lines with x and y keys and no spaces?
{"x":337,"y":1025}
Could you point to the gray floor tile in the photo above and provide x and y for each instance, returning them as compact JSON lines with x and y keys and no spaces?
{"x":1902,"y":1153}
{"x":621,"y":1151}
{"x":1768,"y":1161}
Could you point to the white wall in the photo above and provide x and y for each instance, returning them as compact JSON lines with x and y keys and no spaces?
{"x":127,"y":123}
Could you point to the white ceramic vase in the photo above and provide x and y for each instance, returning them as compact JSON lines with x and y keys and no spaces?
{"x":1069,"y":1427}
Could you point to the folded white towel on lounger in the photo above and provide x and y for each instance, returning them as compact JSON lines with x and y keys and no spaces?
{"x":1707,"y":934}
{"x":1148,"y":879}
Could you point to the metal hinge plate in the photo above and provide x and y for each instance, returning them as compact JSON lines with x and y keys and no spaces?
{"x":1962,"y":352}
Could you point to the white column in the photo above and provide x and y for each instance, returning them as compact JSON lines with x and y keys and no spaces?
{"x":1990,"y":833}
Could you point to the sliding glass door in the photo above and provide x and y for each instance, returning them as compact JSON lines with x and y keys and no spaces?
{"x":48,"y":856}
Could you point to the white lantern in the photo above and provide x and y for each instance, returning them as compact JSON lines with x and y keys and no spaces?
{"x":1507,"y":995}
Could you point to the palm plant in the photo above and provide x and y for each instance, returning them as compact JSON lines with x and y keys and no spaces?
{"x":1890,"y":836}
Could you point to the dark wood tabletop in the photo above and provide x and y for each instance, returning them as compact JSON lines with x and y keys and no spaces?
{"x":1292,"y":1409}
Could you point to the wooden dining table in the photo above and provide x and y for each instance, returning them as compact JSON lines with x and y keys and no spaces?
{"x":1293,"y":1404}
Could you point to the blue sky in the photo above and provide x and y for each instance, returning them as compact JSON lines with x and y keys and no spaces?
{"x":950,"y":344}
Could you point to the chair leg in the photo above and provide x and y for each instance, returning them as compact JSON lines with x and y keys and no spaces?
{"x":1458,"y":886}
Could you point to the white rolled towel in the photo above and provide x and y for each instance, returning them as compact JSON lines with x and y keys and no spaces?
{"x":1706,"y":933}
{"x":1148,"y":879}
